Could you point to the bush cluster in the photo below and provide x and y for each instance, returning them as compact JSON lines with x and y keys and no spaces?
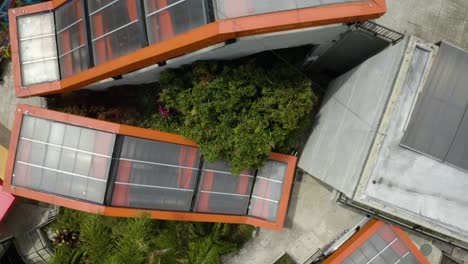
{"x":238,"y":112}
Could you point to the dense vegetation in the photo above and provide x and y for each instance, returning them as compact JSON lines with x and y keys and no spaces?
{"x":142,"y":240}
{"x":238,"y":111}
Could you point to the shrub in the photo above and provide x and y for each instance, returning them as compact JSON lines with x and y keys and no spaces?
{"x":143,"y":240}
{"x":238,"y":112}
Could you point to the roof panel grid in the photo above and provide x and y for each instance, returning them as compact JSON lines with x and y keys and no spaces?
{"x":44,"y":162}
{"x":267,"y":190}
{"x":224,"y":193}
{"x":168,"y":18}
{"x":378,"y":243}
{"x":37,"y":48}
{"x":72,"y":39}
{"x":115,"y":28}
{"x":155,"y":175}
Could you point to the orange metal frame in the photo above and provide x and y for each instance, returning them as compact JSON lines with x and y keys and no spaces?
{"x":128,"y":212}
{"x":365,"y":234}
{"x":191,"y":41}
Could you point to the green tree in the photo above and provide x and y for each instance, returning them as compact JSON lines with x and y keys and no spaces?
{"x":208,"y":249}
{"x":66,"y":255}
{"x":238,"y":112}
{"x":96,"y":239}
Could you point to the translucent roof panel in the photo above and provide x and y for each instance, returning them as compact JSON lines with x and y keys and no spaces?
{"x":223,"y":193}
{"x":267,"y":190}
{"x":115,"y":28}
{"x":71,"y":37}
{"x":38,"y":49}
{"x":155,"y":175}
{"x":439,"y":114}
{"x":381,"y":248}
{"x":63,"y":159}
{"x":238,"y":8}
{"x":166,"y":19}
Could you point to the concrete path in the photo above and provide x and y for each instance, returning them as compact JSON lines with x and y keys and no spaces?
{"x":8,"y":98}
{"x":432,"y":20}
{"x":313,"y":217}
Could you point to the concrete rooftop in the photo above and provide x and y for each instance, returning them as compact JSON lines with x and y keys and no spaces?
{"x":425,"y":190}
{"x":431,"y":20}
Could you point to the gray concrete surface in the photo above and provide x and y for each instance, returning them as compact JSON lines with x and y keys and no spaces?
{"x":337,"y":149}
{"x":313,"y":216}
{"x":23,"y":217}
{"x":224,"y":9}
{"x":8,"y":98}
{"x":434,"y":255}
{"x":431,"y":20}
{"x":415,"y":183}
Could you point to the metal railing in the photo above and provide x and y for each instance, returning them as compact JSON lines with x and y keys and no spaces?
{"x":34,"y":246}
{"x":383,"y":32}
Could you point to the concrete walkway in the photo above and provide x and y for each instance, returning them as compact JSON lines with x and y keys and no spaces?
{"x":8,"y":98}
{"x":313,"y":220}
{"x":432,"y":20}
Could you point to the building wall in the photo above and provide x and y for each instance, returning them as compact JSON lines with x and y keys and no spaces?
{"x":346,"y":124}
{"x":242,"y":47}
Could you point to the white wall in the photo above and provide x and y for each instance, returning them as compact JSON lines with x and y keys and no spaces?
{"x":242,"y":47}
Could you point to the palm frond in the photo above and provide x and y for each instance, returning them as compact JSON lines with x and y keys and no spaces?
{"x":66,"y":255}
{"x":96,"y":239}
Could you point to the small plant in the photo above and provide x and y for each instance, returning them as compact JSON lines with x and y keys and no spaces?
{"x":144,"y":240}
{"x":66,"y":237}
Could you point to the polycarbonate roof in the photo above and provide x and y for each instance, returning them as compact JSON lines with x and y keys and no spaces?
{"x":72,"y":39}
{"x":38,"y":49}
{"x":123,"y":171}
{"x":63,"y":159}
{"x":223,"y":193}
{"x":381,"y":248}
{"x":166,"y":19}
{"x":267,"y":190}
{"x":115,"y":30}
{"x":156,"y":175}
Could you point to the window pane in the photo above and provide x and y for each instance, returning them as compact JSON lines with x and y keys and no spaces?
{"x":221,"y":192}
{"x":166,"y":19}
{"x":37,"y":48}
{"x":71,"y":36}
{"x":63,"y":159}
{"x":156,"y":175}
{"x":263,"y":209}
{"x":267,"y":190}
{"x":153,"y":186}
{"x":115,"y":28}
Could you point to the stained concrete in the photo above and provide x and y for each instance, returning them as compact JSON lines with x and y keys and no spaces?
{"x":415,"y":183}
{"x":313,"y":217}
{"x":431,"y":20}
{"x":337,"y":149}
